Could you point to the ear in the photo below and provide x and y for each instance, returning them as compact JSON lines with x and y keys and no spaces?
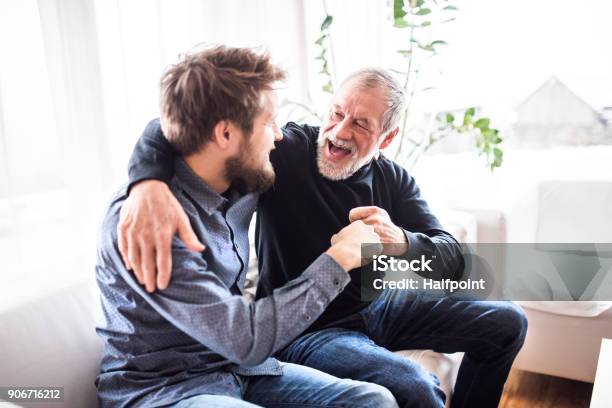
{"x":224,"y":135}
{"x":389,"y":138}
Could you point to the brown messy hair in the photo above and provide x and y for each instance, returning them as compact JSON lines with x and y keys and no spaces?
{"x":211,"y":85}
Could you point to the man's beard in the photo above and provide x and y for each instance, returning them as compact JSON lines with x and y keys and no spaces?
{"x":332,"y":171}
{"x":246,"y":179}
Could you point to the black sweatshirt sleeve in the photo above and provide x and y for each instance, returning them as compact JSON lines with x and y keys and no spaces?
{"x":424,"y":233}
{"x":153,"y":157}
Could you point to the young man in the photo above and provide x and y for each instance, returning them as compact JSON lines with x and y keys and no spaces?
{"x":199,"y":343}
{"x":329,"y":177}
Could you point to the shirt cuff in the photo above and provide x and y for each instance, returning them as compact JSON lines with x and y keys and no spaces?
{"x":327,"y":275}
{"x":416,"y":247}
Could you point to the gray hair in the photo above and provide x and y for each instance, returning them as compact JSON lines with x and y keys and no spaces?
{"x":371,"y":78}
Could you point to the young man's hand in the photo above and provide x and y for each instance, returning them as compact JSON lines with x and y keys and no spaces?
{"x":149,"y":218}
{"x":391,"y":236}
{"x":346,"y":244}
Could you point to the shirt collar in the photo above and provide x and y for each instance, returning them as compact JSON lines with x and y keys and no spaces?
{"x":198,"y":189}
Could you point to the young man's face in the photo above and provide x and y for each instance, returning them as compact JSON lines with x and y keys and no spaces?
{"x":251,"y":170}
{"x":352,"y":131}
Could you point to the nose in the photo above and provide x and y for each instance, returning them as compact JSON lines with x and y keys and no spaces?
{"x":278,"y":135}
{"x":343,"y":129}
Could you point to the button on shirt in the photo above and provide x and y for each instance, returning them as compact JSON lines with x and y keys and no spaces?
{"x":195,"y":336}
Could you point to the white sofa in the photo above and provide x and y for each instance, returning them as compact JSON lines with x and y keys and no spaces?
{"x":563,"y":338}
{"x":52,"y":342}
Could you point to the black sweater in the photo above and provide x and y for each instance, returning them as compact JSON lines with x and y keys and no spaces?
{"x":298,"y":215}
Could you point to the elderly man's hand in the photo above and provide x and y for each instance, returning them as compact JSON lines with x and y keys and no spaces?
{"x":149,"y":218}
{"x":391,"y":236}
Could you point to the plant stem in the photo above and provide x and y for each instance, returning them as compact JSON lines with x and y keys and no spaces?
{"x":334,"y":75}
{"x":406,"y":82}
{"x":429,"y":145}
{"x":306,"y":108}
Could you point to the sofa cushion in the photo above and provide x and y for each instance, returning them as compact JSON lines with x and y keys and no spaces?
{"x":52,"y":342}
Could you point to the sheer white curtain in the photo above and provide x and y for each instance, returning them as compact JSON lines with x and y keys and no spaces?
{"x":78,"y":83}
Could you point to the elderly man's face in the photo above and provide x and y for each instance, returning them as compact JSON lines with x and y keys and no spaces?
{"x":351,"y":134}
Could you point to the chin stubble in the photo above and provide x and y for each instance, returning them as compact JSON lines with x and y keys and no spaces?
{"x":246,"y":179}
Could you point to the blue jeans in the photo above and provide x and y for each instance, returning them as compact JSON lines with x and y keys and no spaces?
{"x":361,"y":347}
{"x":298,"y":387}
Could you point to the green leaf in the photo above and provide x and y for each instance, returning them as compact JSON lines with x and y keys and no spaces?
{"x":400,"y":23}
{"x":423,"y":12}
{"x":486,"y":133}
{"x":425,"y":23}
{"x":497,"y":161}
{"x":450,"y":7}
{"x":418,"y":3}
{"x":482,"y":124}
{"x":497,"y":152}
{"x":398,"y":10}
{"x":328,"y":87}
{"x":439,"y":42}
{"x":468,"y":115}
{"x":404,"y":53}
{"x":321,"y":39}
{"x":327,"y":22}
{"x":399,"y":14}
{"x":426,"y":47}
{"x":450,"y":118}
{"x":449,"y":20}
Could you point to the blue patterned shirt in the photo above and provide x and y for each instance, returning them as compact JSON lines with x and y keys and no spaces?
{"x":200,"y":334}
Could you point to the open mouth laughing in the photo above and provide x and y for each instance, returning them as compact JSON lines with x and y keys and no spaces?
{"x":338,"y":151}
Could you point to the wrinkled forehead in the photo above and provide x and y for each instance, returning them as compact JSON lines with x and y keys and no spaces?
{"x":361,"y":102}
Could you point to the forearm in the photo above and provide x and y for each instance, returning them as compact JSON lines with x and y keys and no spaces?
{"x":153,"y":157}
{"x":441,"y":247}
{"x":424,"y":233}
{"x":242,"y":332}
{"x":292,"y":308}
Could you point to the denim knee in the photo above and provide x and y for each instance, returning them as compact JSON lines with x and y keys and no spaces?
{"x":513,"y":325}
{"x":421,"y":392}
{"x":366,"y":395}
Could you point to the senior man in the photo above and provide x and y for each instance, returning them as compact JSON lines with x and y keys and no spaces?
{"x":328,"y":177}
